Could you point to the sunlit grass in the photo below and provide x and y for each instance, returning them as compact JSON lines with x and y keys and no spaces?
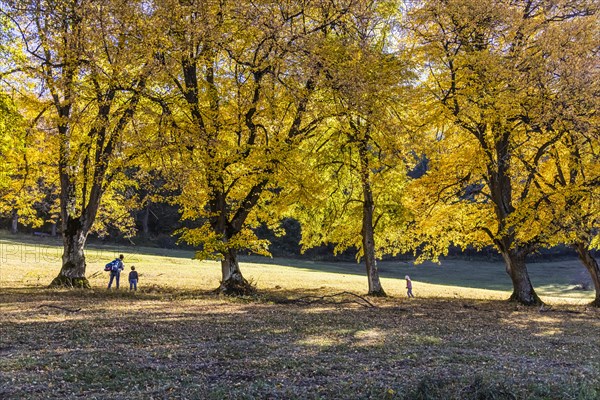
{"x":175,"y":338}
{"x":35,"y":265}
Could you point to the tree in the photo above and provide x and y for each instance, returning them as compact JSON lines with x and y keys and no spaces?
{"x":24,"y":169}
{"x":241,"y":92}
{"x":18,"y":163}
{"x":566,"y":194}
{"x":487,"y":71}
{"x":10,"y":147}
{"x":359,"y":161}
{"x":92,"y":61}
{"x":569,"y":199}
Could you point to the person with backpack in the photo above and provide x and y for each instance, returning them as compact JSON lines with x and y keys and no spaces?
{"x":115,"y":267}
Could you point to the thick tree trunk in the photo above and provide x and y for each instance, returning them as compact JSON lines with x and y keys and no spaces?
{"x":591,"y":264}
{"x":368,"y":239}
{"x":232,"y":282}
{"x":523,"y":291}
{"x":72,"y":273}
{"x":14,"y":226}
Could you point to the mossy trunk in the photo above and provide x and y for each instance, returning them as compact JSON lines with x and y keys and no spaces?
{"x":591,"y":265}
{"x":233,"y":282}
{"x":516,"y":268}
{"x":66,"y":282}
{"x":72,"y":273}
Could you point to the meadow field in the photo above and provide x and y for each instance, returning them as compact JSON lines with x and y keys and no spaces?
{"x":298,"y":338}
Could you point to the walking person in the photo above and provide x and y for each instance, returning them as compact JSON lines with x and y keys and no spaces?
{"x":133,"y":278}
{"x":116,"y":266}
{"x":409,"y":287}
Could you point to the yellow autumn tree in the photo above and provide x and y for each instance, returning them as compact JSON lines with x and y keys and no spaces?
{"x":487,"y":71}
{"x":238,"y":91}
{"x":566,"y":191}
{"x":26,"y":172}
{"x":357,"y":166}
{"x":20,"y":142}
{"x":88,"y":63}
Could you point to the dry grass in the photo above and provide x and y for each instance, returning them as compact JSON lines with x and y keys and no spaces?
{"x":174,"y":339}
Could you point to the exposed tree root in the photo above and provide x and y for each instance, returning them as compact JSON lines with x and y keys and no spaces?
{"x":532,"y":302}
{"x":62,"y":281}
{"x":380,"y":293}
{"x":232,"y":287}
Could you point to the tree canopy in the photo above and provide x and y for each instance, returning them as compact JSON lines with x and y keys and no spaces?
{"x":242,"y":114}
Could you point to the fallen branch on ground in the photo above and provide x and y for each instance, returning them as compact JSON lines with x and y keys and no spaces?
{"x":60,"y":308}
{"x":550,"y":309}
{"x":329,"y":299}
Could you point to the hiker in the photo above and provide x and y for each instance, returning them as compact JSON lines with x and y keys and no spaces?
{"x":133,"y":278}
{"x":116,"y":266}
{"x":409,"y":287}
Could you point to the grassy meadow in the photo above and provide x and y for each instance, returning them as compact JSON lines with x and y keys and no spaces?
{"x":175,"y":338}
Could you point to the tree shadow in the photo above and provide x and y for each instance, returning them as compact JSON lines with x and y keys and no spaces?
{"x":207,"y":347}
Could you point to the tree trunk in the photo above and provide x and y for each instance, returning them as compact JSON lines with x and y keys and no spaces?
{"x":368,"y":239}
{"x":368,"y":235}
{"x":145,"y":219}
{"x":233,"y":283}
{"x":72,"y":273}
{"x":53,"y":229}
{"x":523,"y":291}
{"x":14,"y":227}
{"x":591,"y":264}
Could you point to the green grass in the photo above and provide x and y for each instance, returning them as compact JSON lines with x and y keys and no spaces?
{"x":175,"y":339}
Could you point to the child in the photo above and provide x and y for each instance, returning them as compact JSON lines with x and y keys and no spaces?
{"x":133,"y":278}
{"x":409,"y":286}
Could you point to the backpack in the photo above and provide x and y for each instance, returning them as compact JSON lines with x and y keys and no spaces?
{"x":113,"y":265}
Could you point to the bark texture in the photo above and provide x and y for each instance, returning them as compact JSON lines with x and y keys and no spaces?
{"x":234,"y":283}
{"x":368,"y":239}
{"x":72,"y":273}
{"x":368,"y":230}
{"x":591,"y":265}
{"x":523,"y":291}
